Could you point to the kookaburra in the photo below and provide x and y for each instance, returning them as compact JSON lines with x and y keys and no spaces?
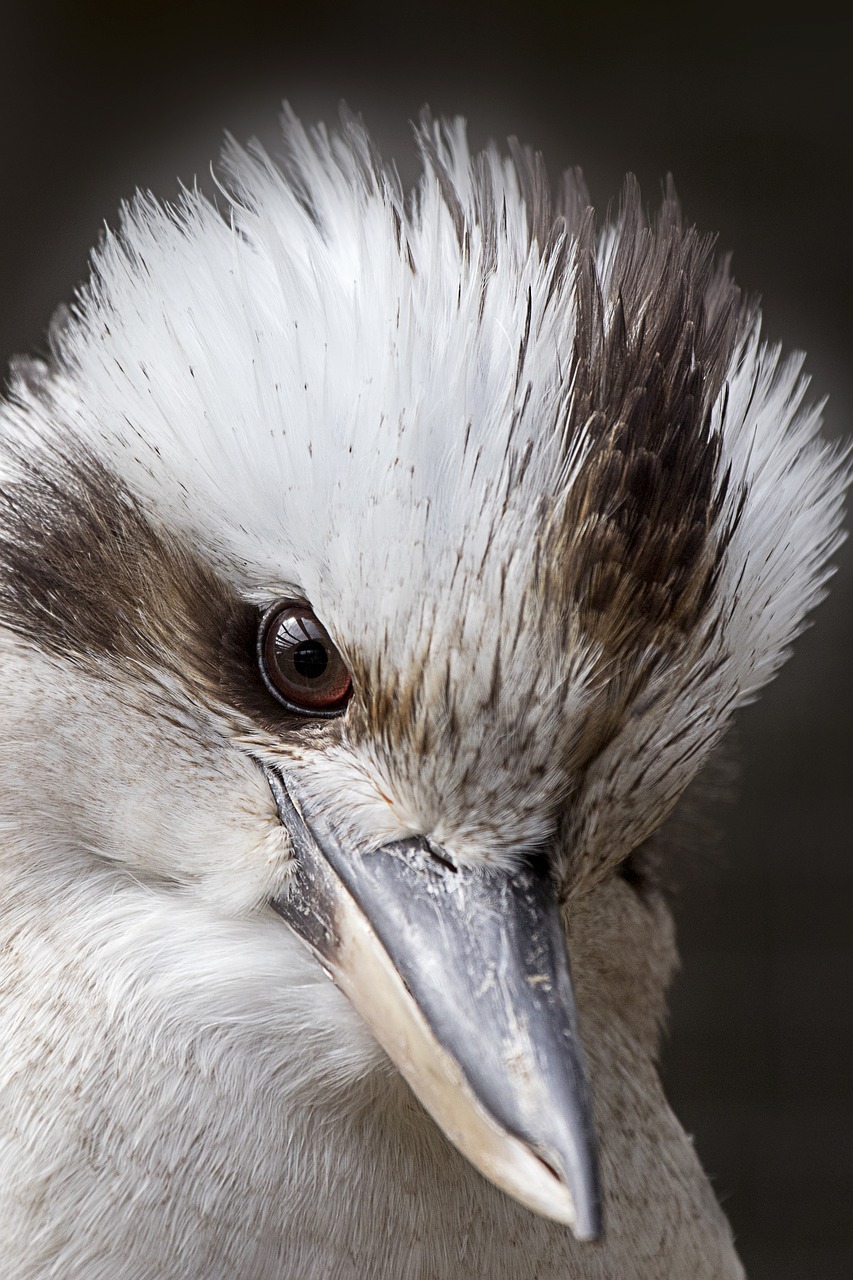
{"x":376,"y":572}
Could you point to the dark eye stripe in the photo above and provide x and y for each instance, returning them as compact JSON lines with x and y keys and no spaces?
{"x":299,"y":664}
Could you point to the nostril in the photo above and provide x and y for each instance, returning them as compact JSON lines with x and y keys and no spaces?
{"x":438,"y":855}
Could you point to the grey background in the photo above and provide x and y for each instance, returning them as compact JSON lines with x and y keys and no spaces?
{"x":752,"y":114}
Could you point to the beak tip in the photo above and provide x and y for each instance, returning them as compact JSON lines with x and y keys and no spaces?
{"x":567,"y":1192}
{"x":587,"y":1216}
{"x":589,"y":1212}
{"x":588,"y":1226}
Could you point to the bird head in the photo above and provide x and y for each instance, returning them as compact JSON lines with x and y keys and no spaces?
{"x":386,"y":568}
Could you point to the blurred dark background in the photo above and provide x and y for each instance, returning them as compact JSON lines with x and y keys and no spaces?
{"x":752,"y":114}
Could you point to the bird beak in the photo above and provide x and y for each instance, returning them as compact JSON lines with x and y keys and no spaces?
{"x":463,"y":978}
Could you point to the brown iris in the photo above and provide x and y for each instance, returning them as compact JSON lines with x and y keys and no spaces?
{"x":300,"y":665}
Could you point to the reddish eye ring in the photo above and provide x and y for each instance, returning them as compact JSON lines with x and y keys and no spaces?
{"x":298,"y":663}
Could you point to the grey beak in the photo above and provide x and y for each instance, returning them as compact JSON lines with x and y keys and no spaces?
{"x":464,"y":979}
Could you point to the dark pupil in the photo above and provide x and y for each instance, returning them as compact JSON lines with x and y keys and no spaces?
{"x":310,"y":659}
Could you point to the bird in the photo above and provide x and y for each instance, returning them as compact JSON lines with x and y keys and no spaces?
{"x":380,"y":570}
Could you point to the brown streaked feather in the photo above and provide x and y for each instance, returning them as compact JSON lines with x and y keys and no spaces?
{"x":653,"y":340}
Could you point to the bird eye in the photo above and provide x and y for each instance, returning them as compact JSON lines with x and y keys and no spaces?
{"x":299,"y":664}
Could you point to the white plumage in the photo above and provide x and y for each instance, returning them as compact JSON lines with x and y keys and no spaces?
{"x":553,"y":586}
